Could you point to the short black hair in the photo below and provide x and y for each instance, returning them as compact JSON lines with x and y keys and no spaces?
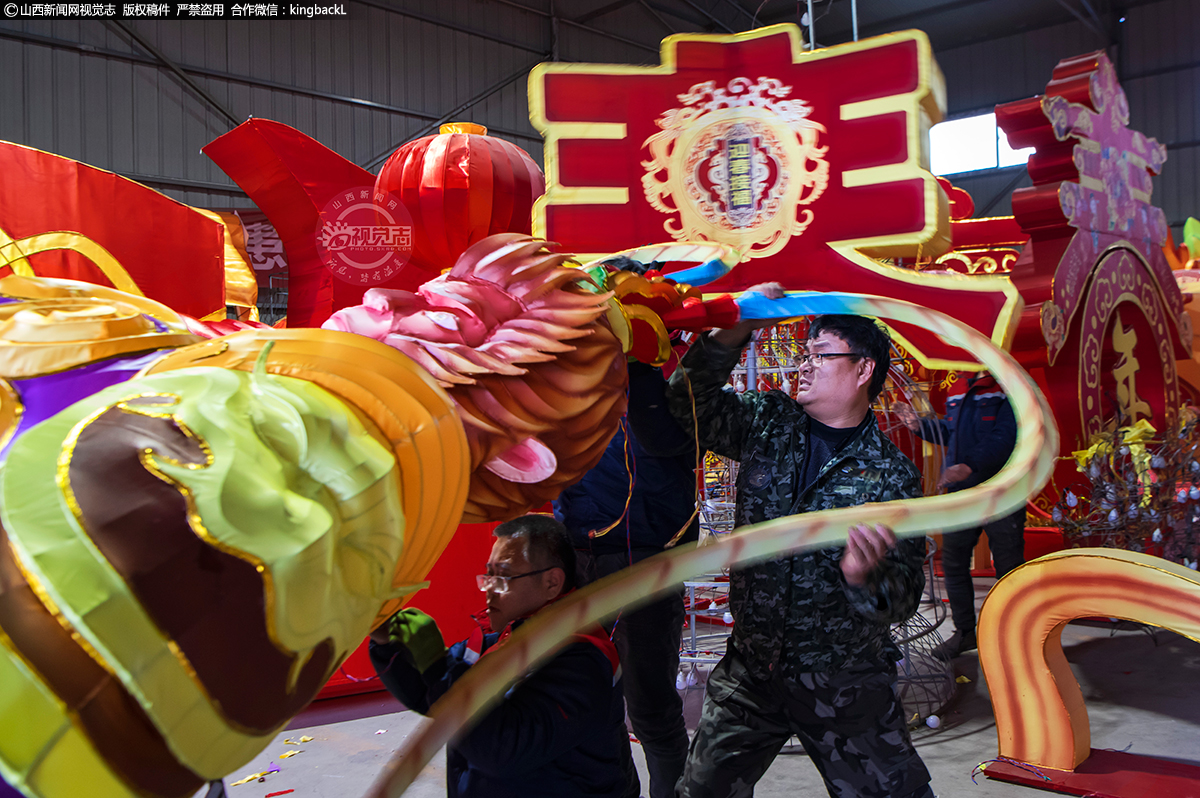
{"x":547,"y":544}
{"x":865,"y":337}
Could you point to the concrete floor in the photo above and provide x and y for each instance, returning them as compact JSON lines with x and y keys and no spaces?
{"x":1141,"y":693}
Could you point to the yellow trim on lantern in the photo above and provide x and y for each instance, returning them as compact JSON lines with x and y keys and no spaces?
{"x":18,"y":250}
{"x":43,"y":749}
{"x":463,"y":127}
{"x":121,"y":637}
{"x":1107,"y":252}
{"x":241,"y":286}
{"x":11,"y":411}
{"x":591,"y":196}
{"x":566,"y":195}
{"x":591,"y":130}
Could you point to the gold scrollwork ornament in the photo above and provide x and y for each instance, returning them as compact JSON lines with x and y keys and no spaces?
{"x":737,"y":165}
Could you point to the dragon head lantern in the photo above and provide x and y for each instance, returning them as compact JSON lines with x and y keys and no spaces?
{"x":521,"y":343}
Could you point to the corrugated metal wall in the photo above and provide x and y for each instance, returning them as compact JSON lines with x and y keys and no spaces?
{"x":1158,"y":63}
{"x":362,"y":86}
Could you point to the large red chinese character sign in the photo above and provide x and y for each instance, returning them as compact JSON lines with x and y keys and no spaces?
{"x":811,"y":164}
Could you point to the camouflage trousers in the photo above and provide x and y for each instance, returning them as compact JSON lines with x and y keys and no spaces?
{"x":849,"y":721}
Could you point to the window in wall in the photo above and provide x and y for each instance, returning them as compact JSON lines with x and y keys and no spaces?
{"x":970,"y":144}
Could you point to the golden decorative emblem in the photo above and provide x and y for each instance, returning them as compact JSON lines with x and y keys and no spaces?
{"x":974,"y":262}
{"x":737,"y":165}
{"x":1054,"y":325}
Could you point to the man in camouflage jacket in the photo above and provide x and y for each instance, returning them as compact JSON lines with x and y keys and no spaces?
{"x":810,"y":653}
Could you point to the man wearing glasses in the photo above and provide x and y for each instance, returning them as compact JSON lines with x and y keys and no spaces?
{"x":557,"y":731}
{"x":810,"y":653}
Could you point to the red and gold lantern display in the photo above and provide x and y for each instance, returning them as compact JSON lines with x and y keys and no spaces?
{"x":461,"y":186}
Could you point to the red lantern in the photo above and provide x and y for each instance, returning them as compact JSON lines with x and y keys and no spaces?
{"x":461,"y":186}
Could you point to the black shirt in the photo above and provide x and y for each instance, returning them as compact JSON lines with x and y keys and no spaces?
{"x":824,"y":442}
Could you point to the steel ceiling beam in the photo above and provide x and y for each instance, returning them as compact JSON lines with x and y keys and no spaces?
{"x":163,"y":61}
{"x":658,"y":17}
{"x":478,"y":98}
{"x":554,"y":30}
{"x":999,"y":195}
{"x":704,"y":19}
{"x":564,"y":21}
{"x":1125,"y":79}
{"x":184,"y":184}
{"x":1092,"y":26}
{"x":607,"y":35}
{"x":441,"y":23}
{"x":134,"y":58}
{"x":602,"y":10}
{"x":707,"y":14}
{"x":892,"y":23}
{"x":1092,"y":12}
{"x":741,"y":8}
{"x":523,"y":7}
{"x":1129,"y":4}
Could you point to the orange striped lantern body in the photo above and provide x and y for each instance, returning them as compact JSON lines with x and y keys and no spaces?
{"x":195,"y":534}
{"x":460,"y":187}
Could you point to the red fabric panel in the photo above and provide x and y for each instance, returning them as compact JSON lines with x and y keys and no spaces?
{"x":290,"y":177}
{"x":173,"y":254}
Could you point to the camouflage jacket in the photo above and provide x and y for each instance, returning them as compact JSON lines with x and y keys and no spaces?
{"x":799,"y":613}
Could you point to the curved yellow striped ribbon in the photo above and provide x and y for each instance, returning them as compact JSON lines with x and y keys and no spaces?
{"x":1040,"y":713}
{"x":1026,"y":472}
{"x":13,"y":253}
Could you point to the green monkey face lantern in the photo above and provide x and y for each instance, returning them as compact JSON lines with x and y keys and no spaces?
{"x":187,"y":557}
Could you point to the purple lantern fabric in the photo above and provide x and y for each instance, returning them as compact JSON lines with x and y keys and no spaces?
{"x":44,"y":396}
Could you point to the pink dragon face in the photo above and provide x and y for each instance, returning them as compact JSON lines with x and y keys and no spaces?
{"x":525,"y":352}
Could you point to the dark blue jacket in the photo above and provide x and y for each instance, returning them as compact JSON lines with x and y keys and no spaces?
{"x":662,"y":461}
{"x":979,"y":430}
{"x":555,"y":733}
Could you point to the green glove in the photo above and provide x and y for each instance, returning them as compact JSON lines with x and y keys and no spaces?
{"x":418,"y":634}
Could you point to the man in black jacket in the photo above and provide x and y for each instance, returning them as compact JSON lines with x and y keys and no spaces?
{"x":640,"y":498}
{"x":557,"y":732}
{"x":979,"y":432}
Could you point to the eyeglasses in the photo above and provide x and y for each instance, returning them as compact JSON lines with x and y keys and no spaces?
{"x":499,"y":584}
{"x":817,"y":358}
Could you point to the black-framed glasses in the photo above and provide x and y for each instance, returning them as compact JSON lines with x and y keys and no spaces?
{"x":486,"y":581}
{"x":817,"y":358}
